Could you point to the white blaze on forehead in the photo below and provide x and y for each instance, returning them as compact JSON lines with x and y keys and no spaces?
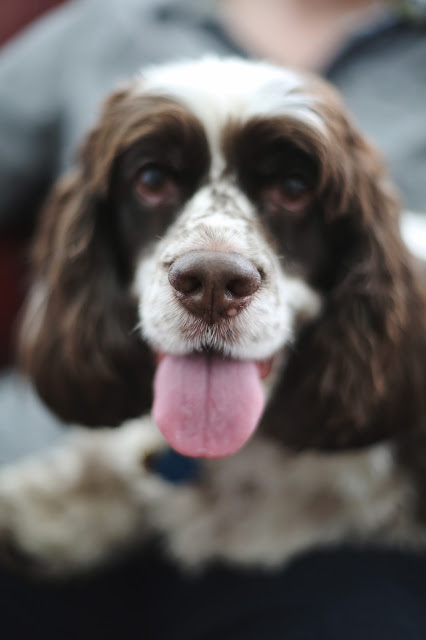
{"x":219,"y":90}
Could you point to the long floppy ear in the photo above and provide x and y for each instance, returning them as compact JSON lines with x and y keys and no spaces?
{"x":78,"y":341}
{"x":358,"y":374}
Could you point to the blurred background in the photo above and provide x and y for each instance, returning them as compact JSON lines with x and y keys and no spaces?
{"x":14,"y":17}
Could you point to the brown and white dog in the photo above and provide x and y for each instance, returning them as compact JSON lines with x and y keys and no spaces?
{"x":231,"y":241}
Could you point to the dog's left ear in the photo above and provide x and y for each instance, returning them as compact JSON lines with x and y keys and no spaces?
{"x":79,"y":342}
{"x":356,"y":375}
{"x":78,"y":339}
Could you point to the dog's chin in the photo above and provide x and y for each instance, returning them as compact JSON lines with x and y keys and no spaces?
{"x":207,"y":405}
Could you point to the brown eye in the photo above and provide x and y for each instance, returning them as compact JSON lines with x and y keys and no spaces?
{"x":155,"y":185}
{"x":292,"y":194}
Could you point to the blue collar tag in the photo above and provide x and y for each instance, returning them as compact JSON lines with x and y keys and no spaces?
{"x":175,"y":468}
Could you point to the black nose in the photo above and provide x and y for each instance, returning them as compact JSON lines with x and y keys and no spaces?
{"x":214,"y":284}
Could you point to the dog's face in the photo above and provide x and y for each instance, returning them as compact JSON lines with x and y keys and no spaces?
{"x":227,"y":224}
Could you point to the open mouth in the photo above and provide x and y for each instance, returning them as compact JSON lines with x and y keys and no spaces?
{"x":207,"y":405}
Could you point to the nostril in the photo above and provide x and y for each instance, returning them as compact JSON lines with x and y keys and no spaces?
{"x":244,"y":286}
{"x":184,"y":283}
{"x":192,"y":285}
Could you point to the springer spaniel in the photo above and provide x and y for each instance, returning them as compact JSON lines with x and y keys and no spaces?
{"x":229,"y":241}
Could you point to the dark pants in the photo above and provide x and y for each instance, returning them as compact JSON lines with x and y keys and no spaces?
{"x":334,"y":595}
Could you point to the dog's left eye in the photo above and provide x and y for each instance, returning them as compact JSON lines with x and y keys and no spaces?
{"x":155,"y":185}
{"x":291,"y":194}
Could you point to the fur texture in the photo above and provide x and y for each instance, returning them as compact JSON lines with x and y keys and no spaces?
{"x":247,"y":159}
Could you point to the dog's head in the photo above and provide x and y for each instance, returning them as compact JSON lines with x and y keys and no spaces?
{"x":225,"y":223}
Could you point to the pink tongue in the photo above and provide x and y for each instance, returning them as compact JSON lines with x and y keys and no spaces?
{"x":206,"y":406}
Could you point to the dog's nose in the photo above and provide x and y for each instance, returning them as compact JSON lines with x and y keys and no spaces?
{"x":214,"y":284}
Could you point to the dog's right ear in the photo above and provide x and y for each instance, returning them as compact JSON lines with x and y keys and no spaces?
{"x":78,"y":340}
{"x":356,"y":375}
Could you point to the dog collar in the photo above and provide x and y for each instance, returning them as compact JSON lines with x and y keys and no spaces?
{"x":175,"y":468}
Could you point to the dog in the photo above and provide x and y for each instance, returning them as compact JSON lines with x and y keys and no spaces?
{"x":222,"y":277}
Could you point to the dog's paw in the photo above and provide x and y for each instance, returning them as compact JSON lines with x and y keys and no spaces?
{"x":81,"y":503}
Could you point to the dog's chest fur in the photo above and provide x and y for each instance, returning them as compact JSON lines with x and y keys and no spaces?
{"x":258,"y":508}
{"x":266,"y":504}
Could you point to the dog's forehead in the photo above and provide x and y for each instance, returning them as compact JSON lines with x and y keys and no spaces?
{"x":221,"y":90}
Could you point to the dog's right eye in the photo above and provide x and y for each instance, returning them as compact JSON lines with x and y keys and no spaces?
{"x":156,"y":185}
{"x":290,"y":195}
